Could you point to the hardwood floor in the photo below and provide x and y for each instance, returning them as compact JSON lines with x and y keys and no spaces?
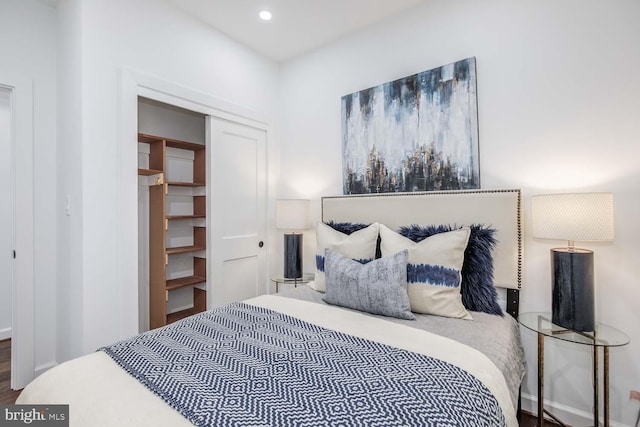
{"x":7,"y":396}
{"x":530,"y":420}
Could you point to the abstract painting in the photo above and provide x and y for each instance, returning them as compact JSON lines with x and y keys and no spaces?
{"x":417,"y":133}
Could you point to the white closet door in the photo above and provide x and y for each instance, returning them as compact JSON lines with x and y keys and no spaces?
{"x":236,"y":211}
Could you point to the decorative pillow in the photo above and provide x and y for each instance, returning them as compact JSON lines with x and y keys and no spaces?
{"x":378,"y":287}
{"x":433,"y":270}
{"x":346,"y":227}
{"x":359,"y":245}
{"x":350,"y":227}
{"x":478,"y":291}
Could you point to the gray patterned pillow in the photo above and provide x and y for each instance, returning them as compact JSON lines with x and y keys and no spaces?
{"x":377,"y":287}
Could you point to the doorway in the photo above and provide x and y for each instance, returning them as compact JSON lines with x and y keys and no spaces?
{"x":6,"y":216}
{"x":17,"y":231}
{"x":171,"y":147}
{"x":133,"y":86}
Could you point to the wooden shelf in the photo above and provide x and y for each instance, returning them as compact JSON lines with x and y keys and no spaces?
{"x":149,"y":139}
{"x":200,"y":206}
{"x":185,"y":249}
{"x":179,"y":315}
{"x":170,"y":217}
{"x":186,"y":184}
{"x":199,"y":305}
{"x":175,"y":143}
{"x":184,"y":145}
{"x":199,"y":244}
{"x":148,"y":172}
{"x":159,"y":260}
{"x":184,"y":282}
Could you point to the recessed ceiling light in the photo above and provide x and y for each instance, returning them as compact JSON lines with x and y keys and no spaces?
{"x":265,"y":15}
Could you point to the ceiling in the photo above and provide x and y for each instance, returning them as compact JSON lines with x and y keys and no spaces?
{"x":297,"y":25}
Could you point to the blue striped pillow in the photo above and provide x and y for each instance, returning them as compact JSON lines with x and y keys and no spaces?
{"x":478,"y":291}
{"x":433,"y":270}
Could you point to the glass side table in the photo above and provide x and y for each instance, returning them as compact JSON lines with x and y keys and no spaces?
{"x":279,"y":278}
{"x":603,"y":337}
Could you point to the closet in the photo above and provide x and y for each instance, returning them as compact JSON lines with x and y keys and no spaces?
{"x":172,"y":213}
{"x":202,"y":185}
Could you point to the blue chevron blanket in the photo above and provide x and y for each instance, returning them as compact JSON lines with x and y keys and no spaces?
{"x":242,"y":365}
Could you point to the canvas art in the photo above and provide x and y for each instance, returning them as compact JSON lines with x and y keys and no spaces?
{"x":417,"y":133}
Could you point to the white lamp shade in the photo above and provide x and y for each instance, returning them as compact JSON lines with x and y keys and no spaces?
{"x":573,"y":217}
{"x":292,"y":214}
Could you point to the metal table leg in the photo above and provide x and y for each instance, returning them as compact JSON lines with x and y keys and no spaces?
{"x":596,"y":388}
{"x":606,"y":385}
{"x":540,"y":380}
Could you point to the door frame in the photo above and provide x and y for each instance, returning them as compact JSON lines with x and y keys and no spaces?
{"x":132,"y":85}
{"x":22,"y":200}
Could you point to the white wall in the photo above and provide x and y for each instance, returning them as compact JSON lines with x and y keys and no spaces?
{"x":558,"y":111}
{"x":69,"y":180}
{"x":28,"y":49}
{"x":154,"y":38}
{"x":156,"y":118}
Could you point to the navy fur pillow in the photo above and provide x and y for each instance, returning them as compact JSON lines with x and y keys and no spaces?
{"x":346,"y":227}
{"x":478,"y":292}
{"x":350,"y":227}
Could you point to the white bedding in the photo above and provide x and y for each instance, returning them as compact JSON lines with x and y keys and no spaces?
{"x":100,"y":393}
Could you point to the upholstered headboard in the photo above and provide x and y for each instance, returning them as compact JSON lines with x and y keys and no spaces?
{"x":500,"y":209}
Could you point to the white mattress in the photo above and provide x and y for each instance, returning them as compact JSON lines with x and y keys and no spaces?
{"x":100,"y":393}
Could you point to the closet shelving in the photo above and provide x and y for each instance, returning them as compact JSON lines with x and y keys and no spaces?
{"x":160,"y":221}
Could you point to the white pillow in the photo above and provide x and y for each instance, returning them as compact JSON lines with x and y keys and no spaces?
{"x":359,"y":245}
{"x":433,"y":270}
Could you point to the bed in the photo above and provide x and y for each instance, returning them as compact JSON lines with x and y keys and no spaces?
{"x":293,"y":359}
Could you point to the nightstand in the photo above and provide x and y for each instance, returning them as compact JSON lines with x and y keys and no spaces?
{"x":279,"y":278}
{"x":603,"y":337}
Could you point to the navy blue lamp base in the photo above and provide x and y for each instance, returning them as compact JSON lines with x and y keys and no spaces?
{"x":573,"y":293}
{"x":292,"y":255}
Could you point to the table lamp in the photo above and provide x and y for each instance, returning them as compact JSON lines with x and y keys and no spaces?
{"x":292,"y":215}
{"x":571,"y":217}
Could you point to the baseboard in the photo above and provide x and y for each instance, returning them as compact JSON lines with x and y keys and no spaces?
{"x":41,"y":369}
{"x":567,"y":414}
{"x":5,"y":334}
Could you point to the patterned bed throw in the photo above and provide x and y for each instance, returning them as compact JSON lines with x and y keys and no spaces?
{"x":242,"y":365}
